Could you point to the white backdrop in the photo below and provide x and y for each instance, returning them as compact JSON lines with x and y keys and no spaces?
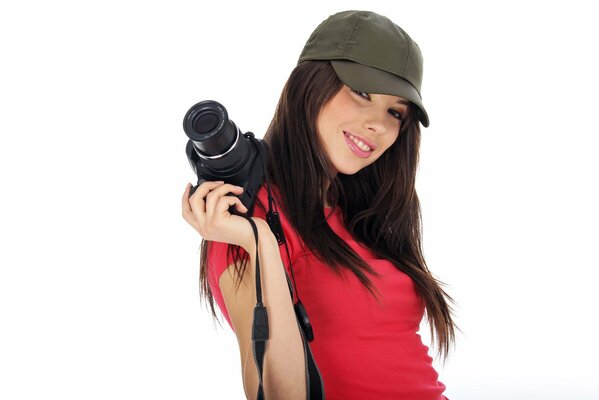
{"x":99,"y":272}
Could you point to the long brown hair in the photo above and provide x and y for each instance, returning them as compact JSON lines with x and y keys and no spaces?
{"x":379,"y":203}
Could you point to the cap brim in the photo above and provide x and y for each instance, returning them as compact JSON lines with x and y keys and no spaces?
{"x":373,"y":80}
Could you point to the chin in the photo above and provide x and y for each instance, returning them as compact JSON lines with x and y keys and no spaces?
{"x":349,"y":171}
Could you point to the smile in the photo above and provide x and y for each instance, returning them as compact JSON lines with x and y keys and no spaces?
{"x":357,"y":147}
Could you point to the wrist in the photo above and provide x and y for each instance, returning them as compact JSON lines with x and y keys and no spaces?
{"x":265,"y":236}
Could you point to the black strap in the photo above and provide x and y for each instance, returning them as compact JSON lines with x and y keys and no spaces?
{"x":260,"y":335}
{"x":260,"y":327}
{"x":260,"y":323}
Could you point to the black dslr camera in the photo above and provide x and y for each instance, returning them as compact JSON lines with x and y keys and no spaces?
{"x":218,"y":151}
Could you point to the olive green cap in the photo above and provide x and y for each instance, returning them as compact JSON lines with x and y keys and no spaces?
{"x":371,"y":54}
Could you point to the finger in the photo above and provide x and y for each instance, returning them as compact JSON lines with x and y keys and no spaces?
{"x":224,"y":203}
{"x":187,"y":212}
{"x":197,"y":199}
{"x":241,"y":207}
{"x":186,"y":206}
{"x":232,"y":200}
{"x":213,"y":197}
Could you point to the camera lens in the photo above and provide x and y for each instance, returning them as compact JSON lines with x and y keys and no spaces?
{"x":208,"y":126}
{"x":205,"y":122}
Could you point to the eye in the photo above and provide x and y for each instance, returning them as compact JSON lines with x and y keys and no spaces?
{"x":396,"y":114}
{"x":361,"y":94}
{"x":393,"y":112}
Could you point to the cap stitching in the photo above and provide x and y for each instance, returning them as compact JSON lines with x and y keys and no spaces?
{"x":405,"y":64}
{"x":350,"y":41}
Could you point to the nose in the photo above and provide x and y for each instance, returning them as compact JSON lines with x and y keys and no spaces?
{"x":376,"y":121}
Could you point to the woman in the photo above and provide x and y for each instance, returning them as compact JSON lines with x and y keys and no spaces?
{"x":343,"y":153}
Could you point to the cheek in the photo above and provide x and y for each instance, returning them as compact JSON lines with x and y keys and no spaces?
{"x":330,"y":119}
{"x":341,"y":105}
{"x":323,"y":130}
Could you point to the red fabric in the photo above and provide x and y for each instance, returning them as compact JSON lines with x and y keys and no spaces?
{"x":363,"y":349}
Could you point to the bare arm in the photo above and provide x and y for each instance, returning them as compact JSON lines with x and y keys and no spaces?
{"x":284,"y":364}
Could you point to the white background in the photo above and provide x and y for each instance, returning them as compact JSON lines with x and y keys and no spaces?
{"x":99,"y":272}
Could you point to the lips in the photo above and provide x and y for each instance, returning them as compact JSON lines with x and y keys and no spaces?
{"x":355,"y":149}
{"x":366,"y":142}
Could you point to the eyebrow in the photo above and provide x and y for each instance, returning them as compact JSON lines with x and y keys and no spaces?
{"x":404,"y":102}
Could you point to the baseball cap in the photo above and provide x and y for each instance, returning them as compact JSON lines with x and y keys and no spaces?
{"x":370,"y":53}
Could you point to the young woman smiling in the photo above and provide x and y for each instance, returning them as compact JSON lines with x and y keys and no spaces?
{"x":343,"y":152}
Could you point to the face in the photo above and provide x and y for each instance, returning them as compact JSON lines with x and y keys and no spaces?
{"x":373,"y":119}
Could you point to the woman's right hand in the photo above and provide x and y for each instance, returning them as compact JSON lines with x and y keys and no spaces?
{"x":207,"y":211}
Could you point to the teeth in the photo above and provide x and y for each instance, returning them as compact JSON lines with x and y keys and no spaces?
{"x":359,"y":143}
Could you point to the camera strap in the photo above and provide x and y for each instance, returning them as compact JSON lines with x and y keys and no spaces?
{"x":260,"y":335}
{"x":260,"y":326}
